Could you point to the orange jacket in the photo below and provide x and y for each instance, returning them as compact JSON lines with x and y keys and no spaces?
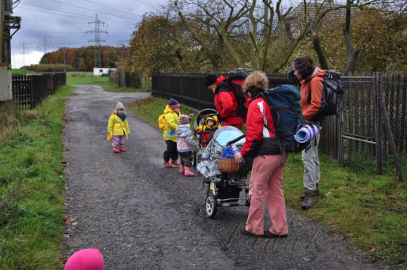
{"x":315,"y":82}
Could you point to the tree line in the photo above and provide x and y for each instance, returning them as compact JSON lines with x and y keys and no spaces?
{"x":82,"y":59}
{"x":217,"y":35}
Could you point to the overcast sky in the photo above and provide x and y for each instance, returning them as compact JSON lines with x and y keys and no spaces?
{"x":61,"y":23}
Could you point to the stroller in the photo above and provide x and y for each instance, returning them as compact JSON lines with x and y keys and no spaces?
{"x":226,"y":183}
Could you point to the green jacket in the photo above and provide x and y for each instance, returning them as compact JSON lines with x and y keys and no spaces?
{"x":172,"y":122}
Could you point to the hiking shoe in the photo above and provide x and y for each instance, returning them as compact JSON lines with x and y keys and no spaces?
{"x":167,"y":164}
{"x":116,"y":150}
{"x":175,"y":163}
{"x":316,"y":192}
{"x":309,"y":199}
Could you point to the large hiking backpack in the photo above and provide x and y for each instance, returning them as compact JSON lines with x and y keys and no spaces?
{"x":332,"y":93}
{"x":237,"y":74}
{"x":285,"y":104}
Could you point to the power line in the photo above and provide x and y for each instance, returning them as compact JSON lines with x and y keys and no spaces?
{"x":45,"y":43}
{"x":97,"y":40}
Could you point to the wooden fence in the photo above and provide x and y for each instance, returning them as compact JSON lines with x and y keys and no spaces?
{"x":30,"y":90}
{"x":358,"y":136}
{"x":125,"y":78}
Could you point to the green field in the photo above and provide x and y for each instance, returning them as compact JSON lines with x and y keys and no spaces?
{"x":369,"y":210}
{"x":78,"y":78}
{"x":32,"y":185}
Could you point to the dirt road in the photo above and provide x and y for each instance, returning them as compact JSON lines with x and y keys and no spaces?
{"x":143,"y":216}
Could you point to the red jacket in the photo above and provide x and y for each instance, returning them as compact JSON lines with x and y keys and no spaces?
{"x":226,"y":104}
{"x":315,"y":82}
{"x":255,"y":129}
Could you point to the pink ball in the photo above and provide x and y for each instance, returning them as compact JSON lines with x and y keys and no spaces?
{"x":85,"y":259}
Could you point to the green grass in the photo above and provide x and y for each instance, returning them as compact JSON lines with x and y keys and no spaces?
{"x":370,"y":211}
{"x":150,"y":108}
{"x":87,"y":78}
{"x":31,"y":225}
{"x":21,"y":71}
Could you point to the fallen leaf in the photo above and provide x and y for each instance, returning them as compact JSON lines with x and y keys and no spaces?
{"x":66,"y":219}
{"x":75,"y":223}
{"x":372,"y":250}
{"x":329,"y":193}
{"x":367,"y":212}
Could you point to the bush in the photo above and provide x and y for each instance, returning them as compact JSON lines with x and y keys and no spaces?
{"x":49,"y":68}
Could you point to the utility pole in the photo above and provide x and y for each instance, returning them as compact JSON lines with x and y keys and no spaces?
{"x":63,"y":50}
{"x":23,"y":54}
{"x":97,"y":40}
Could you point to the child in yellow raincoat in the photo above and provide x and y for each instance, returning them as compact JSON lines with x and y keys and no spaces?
{"x":172,"y":113}
{"x":118,"y":128}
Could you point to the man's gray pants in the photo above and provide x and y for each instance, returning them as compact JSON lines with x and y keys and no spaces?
{"x":311,"y":165}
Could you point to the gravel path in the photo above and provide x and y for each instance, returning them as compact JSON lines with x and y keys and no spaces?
{"x":143,"y":216}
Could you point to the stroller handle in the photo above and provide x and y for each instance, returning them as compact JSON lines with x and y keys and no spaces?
{"x":236,"y":140}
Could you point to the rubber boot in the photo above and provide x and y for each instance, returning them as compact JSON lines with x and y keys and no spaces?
{"x":116,"y":150}
{"x":175,"y":163}
{"x":188,"y":171}
{"x":309,"y":199}
{"x":181,"y":169}
{"x":122,"y":149}
{"x":317,"y":193}
{"x":167,"y":164}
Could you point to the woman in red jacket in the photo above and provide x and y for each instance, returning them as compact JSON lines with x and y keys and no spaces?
{"x":226,"y":102}
{"x":267,"y":171}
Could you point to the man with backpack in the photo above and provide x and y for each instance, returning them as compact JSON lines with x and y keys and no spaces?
{"x":230,"y":101}
{"x":312,"y":79}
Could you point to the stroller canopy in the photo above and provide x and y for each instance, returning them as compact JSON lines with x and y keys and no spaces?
{"x":208,"y":165}
{"x":226,"y":134}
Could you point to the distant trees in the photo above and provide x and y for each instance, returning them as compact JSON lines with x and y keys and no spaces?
{"x":218,"y":35}
{"x":83,"y":58}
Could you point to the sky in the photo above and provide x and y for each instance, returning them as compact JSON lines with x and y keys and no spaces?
{"x":47,"y":25}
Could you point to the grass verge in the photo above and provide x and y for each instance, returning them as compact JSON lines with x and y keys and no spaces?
{"x":369,"y":210}
{"x":87,"y":78}
{"x":32,"y":224}
{"x":150,"y":108}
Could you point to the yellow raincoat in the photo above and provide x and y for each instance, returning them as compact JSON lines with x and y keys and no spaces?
{"x":117,"y":127}
{"x":172,"y":122}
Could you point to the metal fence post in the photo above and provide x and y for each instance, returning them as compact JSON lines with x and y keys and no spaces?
{"x":378,"y":124}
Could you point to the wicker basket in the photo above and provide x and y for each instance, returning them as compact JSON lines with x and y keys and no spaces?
{"x":228,"y":165}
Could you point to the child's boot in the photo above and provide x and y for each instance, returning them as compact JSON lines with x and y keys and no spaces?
{"x":167,"y":164}
{"x":181,"y":169}
{"x":116,"y":149}
{"x":188,"y":172}
{"x":122,"y":149}
{"x":175,"y":163}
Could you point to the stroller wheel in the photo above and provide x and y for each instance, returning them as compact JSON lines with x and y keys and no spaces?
{"x":210,"y":206}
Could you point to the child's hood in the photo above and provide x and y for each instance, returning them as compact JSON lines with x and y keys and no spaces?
{"x":168,"y":109}
{"x":183,"y":130}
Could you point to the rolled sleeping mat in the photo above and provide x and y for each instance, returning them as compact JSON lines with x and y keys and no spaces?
{"x":316,"y":129}
{"x":302,"y":135}
{"x":305,"y":133}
